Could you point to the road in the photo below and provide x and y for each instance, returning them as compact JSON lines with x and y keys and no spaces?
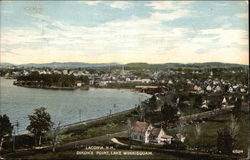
{"x":208,"y":114}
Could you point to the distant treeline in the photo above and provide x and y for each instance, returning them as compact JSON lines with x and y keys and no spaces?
{"x":184,"y":66}
{"x":59,"y":80}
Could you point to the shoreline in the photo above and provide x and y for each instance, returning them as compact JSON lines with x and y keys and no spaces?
{"x":51,"y":87}
{"x":97,"y":119}
{"x":92,"y":120}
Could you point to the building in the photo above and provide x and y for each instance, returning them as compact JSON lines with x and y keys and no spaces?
{"x":180,"y":137}
{"x":204,"y":104}
{"x":157,"y":136}
{"x":140,"y":131}
{"x":79,"y":83}
{"x":167,"y":139}
{"x":150,"y":89}
{"x":146,"y":133}
{"x":208,"y":88}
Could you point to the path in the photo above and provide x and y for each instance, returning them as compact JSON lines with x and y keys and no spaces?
{"x":208,"y":114}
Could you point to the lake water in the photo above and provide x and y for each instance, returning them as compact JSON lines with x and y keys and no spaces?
{"x":63,"y":105}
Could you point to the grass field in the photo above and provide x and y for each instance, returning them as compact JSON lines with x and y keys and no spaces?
{"x":94,"y":129}
{"x":208,"y":137}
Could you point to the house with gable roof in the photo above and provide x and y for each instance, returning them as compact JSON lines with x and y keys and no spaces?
{"x":140,"y":131}
{"x":157,"y":136}
{"x":146,"y":133}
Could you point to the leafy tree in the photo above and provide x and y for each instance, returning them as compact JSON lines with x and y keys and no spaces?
{"x":40,"y":122}
{"x":198,"y":101}
{"x":225,"y":141}
{"x":212,"y":104}
{"x":152,"y":103}
{"x":169,"y":113}
{"x":5,"y":129}
{"x":197,"y":133}
{"x":237,"y":108}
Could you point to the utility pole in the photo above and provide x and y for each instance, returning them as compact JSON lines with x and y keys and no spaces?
{"x":15,"y":131}
{"x":110,"y":112}
{"x":17,"y":127}
{"x":129,"y":131}
{"x":55,"y":133}
{"x":13,"y":139}
{"x":80,"y":114}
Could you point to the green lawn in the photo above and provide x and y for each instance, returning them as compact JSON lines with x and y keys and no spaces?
{"x":208,"y":137}
{"x":94,"y":129}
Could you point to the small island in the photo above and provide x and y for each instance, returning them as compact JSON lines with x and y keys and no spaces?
{"x":53,"y":81}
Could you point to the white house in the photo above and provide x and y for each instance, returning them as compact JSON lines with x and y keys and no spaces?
{"x":230,"y":90}
{"x":204,"y":104}
{"x":157,"y":136}
{"x":211,"y":73}
{"x":196,"y":88}
{"x":146,"y":80}
{"x":217,"y":88}
{"x":146,"y":133}
{"x":128,"y":79}
{"x":42,"y":72}
{"x":235,"y":87}
{"x":180,"y":137}
{"x":65,"y":72}
{"x":242,"y":90}
{"x":167,"y":139}
{"x":78,"y":83}
{"x":170,"y":82}
{"x":25,"y":73}
{"x":188,"y":81}
{"x":208,"y":88}
{"x":140,"y":131}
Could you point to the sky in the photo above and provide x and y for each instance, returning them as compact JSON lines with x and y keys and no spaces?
{"x":124,"y":31}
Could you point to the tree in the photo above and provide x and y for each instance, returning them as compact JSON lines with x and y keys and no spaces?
{"x":40,"y":122}
{"x":152,"y":103}
{"x":212,"y":104}
{"x":169,"y":113}
{"x":234,"y":126}
{"x":237,"y":108}
{"x":197,"y":133}
{"x":5,"y":129}
{"x":225,"y":141}
{"x":198,"y":101}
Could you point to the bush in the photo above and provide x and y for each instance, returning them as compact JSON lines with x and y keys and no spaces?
{"x":176,"y":145}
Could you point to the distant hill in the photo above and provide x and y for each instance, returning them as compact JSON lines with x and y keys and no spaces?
{"x":6,"y":64}
{"x":139,"y":65}
{"x":215,"y":65}
{"x":178,"y":65}
{"x":68,"y":65}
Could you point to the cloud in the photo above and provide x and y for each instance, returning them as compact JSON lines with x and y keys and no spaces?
{"x":5,"y":11}
{"x":147,"y":39}
{"x":168,"y":5}
{"x":228,"y":36}
{"x":169,"y":16}
{"x":121,"y":4}
{"x":91,"y":3}
{"x":242,"y":15}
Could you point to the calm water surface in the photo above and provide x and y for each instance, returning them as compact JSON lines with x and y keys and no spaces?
{"x":63,"y":105}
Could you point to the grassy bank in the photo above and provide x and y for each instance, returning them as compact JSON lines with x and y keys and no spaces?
{"x":109,"y":125}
